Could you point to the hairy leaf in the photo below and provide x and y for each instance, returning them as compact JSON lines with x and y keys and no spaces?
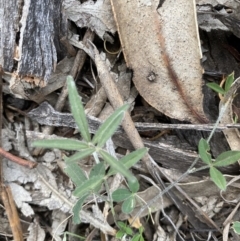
{"x":65,"y":144}
{"x":121,"y":194}
{"x":77,"y":109}
{"x":90,"y":185}
{"x":98,"y":170}
{"x":218,"y":178}
{"x":227,"y":158}
{"x":76,"y":174}
{"x":77,"y":208}
{"x":130,"y":159}
{"x":116,"y":165}
{"x":203,"y":150}
{"x":107,"y":129}
{"x":80,"y":155}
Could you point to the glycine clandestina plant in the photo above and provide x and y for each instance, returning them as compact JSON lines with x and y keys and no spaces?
{"x":225,"y":158}
{"x":85,"y":186}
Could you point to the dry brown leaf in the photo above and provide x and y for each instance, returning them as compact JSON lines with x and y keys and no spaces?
{"x":162,"y":48}
{"x":95,"y":15}
{"x":135,"y":222}
{"x":208,"y":21}
{"x":227,"y":3}
{"x":36,"y":233}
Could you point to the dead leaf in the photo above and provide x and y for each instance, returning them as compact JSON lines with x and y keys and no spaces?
{"x":135,"y":222}
{"x":162,"y":48}
{"x":22,"y":197}
{"x":36,"y":233}
{"x":208,"y":21}
{"x":227,"y":3}
{"x":94,"y":15}
{"x":59,"y":223}
{"x":222,"y":17}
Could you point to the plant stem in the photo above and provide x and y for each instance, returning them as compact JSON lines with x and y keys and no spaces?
{"x":95,"y":155}
{"x":193,"y":170}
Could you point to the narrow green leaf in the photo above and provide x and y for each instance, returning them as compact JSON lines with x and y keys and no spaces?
{"x":121,"y":225}
{"x":80,"y":155}
{"x":236,"y":227}
{"x":65,"y":144}
{"x":97,"y":170}
{"x":136,"y":237}
{"x":216,"y":88}
{"x":120,"y":234}
{"x":90,"y":185}
{"x":229,"y":81}
{"x":218,"y":178}
{"x":116,"y":165}
{"x":128,"y":230}
{"x":203,"y":150}
{"x":77,"y":109}
{"x":121,"y":194}
{"x":227,"y":158}
{"x":130,"y":159}
{"x":107,"y":129}
{"x":125,"y":228}
{"x":76,"y":174}
{"x":77,"y":208}
{"x":128,"y":205}
{"x":141,"y":238}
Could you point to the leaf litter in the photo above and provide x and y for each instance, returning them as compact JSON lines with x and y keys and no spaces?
{"x":31,"y":187}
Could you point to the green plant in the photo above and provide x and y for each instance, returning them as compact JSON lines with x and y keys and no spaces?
{"x":88,"y":185}
{"x":228,"y":82}
{"x":236,"y":227}
{"x":125,"y":230}
{"x":224,"y":159}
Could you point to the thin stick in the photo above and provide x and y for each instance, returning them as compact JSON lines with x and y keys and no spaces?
{"x":12,"y":213}
{"x":18,"y":160}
